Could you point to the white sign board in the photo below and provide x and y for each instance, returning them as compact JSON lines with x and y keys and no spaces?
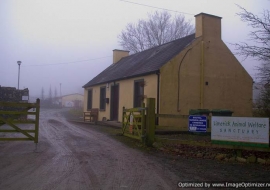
{"x":24,"y":97}
{"x":240,"y":129}
{"x":131,"y":119}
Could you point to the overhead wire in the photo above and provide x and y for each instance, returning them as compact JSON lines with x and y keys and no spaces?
{"x":157,"y":7}
{"x":63,"y":63}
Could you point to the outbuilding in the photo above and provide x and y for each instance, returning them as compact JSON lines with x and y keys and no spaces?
{"x":72,"y":100}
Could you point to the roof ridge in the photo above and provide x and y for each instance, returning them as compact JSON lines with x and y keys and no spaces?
{"x":141,"y":63}
{"x":162,"y":44}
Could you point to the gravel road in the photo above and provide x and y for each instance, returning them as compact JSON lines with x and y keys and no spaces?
{"x":71,"y":156}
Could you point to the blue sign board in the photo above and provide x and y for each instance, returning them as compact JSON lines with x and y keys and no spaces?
{"x":197,"y":123}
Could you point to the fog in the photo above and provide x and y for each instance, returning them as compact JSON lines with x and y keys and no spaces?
{"x":69,"y":42}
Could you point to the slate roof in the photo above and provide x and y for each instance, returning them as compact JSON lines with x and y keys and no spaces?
{"x":142,"y":63}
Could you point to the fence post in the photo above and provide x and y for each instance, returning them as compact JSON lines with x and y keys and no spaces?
{"x":123,"y":119}
{"x":150,"y":121}
{"x":143,"y":123}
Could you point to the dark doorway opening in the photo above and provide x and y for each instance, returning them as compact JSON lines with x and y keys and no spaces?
{"x":114,"y":102}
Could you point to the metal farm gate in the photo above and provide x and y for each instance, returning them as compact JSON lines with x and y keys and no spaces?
{"x":14,"y":113}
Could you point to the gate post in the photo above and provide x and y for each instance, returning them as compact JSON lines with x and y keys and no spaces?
{"x":150,"y":121}
{"x":123,"y":119}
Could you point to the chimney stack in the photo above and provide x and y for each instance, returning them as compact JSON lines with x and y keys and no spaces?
{"x":208,"y":26}
{"x":119,"y":54}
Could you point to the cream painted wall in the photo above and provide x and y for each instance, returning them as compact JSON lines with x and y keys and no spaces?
{"x":219,"y":83}
{"x":232,"y":82}
{"x":188,"y":77}
{"x":85,"y":96}
{"x":126,"y":93}
{"x":71,"y":98}
{"x":96,"y":101}
{"x":210,"y":77}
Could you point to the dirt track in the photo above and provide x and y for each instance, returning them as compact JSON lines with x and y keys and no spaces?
{"x":72,"y":156}
{"x":75,"y":156}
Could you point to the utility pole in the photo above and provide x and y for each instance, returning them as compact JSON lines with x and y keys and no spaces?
{"x":60,"y":95}
{"x":19,"y":63}
{"x":60,"y":90}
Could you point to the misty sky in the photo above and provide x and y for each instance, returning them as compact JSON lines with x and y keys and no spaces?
{"x":71,"y":41}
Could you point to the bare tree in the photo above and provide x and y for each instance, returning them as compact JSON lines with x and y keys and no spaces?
{"x":159,"y":28}
{"x":263,"y":102}
{"x":264,"y":72}
{"x":259,"y":36}
{"x":260,"y":50}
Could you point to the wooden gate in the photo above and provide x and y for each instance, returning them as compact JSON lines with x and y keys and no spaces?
{"x":133,"y":123}
{"x":13,"y":113}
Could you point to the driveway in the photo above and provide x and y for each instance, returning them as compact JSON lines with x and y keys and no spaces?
{"x":78,"y":156}
{"x":71,"y":156}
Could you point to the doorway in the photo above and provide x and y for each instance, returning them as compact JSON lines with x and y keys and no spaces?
{"x":114,"y":102}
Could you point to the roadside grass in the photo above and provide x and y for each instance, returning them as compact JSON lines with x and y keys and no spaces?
{"x":73,"y":114}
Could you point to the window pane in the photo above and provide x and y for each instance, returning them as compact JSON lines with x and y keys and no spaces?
{"x":102,"y":104}
{"x":138,"y":93}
